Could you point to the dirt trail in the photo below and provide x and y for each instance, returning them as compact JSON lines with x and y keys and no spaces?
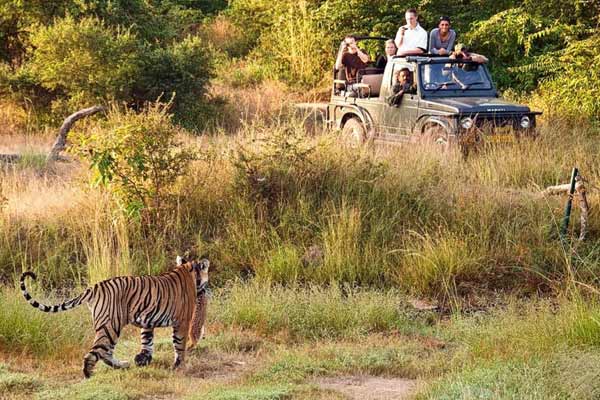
{"x":370,"y":387}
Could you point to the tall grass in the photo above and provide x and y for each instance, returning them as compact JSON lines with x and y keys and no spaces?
{"x":314,"y":312}
{"x":24,"y":329}
{"x":285,"y":208}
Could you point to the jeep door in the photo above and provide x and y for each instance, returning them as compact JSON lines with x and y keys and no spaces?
{"x":397,"y":121}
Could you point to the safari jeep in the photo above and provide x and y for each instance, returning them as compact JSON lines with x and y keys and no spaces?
{"x":445,"y":110}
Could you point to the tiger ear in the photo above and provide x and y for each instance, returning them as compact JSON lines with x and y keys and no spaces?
{"x":204,"y":264}
{"x":180,"y":260}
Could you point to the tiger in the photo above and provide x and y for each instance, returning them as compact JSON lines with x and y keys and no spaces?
{"x":172,"y":299}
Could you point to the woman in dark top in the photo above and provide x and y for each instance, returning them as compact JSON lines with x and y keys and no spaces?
{"x":442,"y":38}
{"x":390,"y":51}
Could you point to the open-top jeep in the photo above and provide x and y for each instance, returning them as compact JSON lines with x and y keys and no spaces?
{"x":455,"y":102}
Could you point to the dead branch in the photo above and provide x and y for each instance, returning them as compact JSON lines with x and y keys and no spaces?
{"x":585,"y":208}
{"x":61,"y":140}
{"x":580,"y":193}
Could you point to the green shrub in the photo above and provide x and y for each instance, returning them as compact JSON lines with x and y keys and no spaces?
{"x":85,"y":60}
{"x":138,"y":156}
{"x":571,"y":91}
{"x":181,"y":71}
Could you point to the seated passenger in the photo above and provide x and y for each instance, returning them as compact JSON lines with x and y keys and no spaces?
{"x":463,"y":52}
{"x":411,"y":39}
{"x":390,"y":51}
{"x":403,"y":84}
{"x":352,"y":59}
{"x":465,"y":74}
{"x":441,"y":39}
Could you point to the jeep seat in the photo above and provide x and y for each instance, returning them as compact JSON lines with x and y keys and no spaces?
{"x":374,"y":82}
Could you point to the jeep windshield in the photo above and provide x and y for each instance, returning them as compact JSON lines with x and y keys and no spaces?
{"x":454,"y":76}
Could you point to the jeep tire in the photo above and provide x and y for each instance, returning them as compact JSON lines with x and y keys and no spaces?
{"x":437,"y":137}
{"x":354,"y":133}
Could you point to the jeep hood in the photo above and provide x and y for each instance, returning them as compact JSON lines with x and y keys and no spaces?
{"x":468,"y":105}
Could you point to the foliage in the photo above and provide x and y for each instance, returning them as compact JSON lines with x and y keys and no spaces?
{"x":296,"y":41}
{"x":85,"y":60}
{"x":80,"y":53}
{"x":138,"y":156}
{"x":181,"y":70}
{"x":16,"y":19}
{"x":293,"y":48}
{"x":571,"y":91}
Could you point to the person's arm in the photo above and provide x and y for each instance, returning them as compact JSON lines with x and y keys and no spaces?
{"x":364,"y":57}
{"x":451,"y":41}
{"x":338,"y":61}
{"x":478,"y":58}
{"x":399,"y":38}
{"x":458,"y":81}
{"x":411,"y":52}
{"x":433,"y":41}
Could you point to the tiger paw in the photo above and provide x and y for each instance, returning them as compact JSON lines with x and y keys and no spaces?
{"x":143,"y":359}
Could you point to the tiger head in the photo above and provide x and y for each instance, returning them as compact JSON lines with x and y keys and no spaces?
{"x":199,"y":269}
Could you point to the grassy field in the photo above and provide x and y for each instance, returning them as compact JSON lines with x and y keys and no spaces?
{"x":281,"y":344}
{"x":318,"y":252}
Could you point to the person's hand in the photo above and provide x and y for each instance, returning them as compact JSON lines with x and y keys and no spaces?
{"x":402,"y":31}
{"x":442,"y":51}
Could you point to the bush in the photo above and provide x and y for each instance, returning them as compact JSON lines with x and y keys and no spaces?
{"x":571,"y":92}
{"x":183,"y":70}
{"x":76,"y":63}
{"x":139,"y":158}
{"x":85,"y":62}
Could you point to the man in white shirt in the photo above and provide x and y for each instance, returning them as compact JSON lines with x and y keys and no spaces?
{"x":411,"y":39}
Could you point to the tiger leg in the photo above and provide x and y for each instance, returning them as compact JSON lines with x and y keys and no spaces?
{"x":145,"y":355}
{"x":180,"y":334}
{"x":102,"y":349}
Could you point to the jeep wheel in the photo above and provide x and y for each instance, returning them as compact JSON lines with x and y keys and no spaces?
{"x":437,"y":137}
{"x":354,"y":133}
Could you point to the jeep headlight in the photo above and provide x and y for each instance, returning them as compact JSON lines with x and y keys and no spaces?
{"x":466,"y":123}
{"x":525,"y":122}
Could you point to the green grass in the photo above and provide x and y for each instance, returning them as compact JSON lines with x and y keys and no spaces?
{"x":264,"y":392}
{"x":23,"y":328}
{"x":564,"y":376}
{"x":315,"y":312}
{"x":274,"y":342}
{"x":17,"y":383}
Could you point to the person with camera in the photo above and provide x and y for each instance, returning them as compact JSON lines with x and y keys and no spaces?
{"x":351,"y":59}
{"x":441,"y":39}
{"x":411,"y":39}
